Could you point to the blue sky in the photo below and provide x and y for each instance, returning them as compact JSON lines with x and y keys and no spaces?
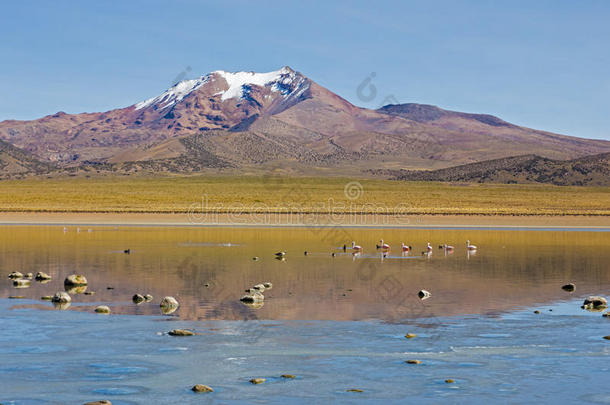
{"x":542,"y":64}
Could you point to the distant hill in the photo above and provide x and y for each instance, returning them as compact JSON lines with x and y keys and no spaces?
{"x":589,"y":170}
{"x":246,"y":121}
{"x":14,"y":161}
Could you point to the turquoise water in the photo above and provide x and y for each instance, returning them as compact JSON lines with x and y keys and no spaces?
{"x":337,"y":323}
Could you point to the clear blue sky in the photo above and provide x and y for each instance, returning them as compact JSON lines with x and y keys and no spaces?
{"x":544,"y":64}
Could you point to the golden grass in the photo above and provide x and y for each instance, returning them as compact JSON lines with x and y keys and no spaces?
{"x":275,"y":194}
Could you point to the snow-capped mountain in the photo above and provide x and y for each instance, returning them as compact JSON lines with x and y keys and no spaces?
{"x":234,"y":119}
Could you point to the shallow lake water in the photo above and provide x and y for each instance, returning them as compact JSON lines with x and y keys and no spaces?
{"x":336,"y":322}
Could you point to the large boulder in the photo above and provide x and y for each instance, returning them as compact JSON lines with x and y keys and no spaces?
{"x":75,"y":280}
{"x":595,"y":302}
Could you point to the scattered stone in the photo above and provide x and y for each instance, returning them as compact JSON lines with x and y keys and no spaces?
{"x":354,"y":390}
{"x":61,"y":297}
{"x":169,"y":305}
{"x":138,"y":298}
{"x":15,"y":274}
{"x":102,"y":402}
{"x":28,"y":276}
{"x":102,"y":309}
{"x":259,"y":287}
{"x":413,"y":361}
{"x":449,"y":381}
{"x":253,"y":297}
{"x":268,"y":285}
{"x":536,"y":312}
{"x":258,"y":380}
{"x":148,"y":298}
{"x":423,"y":294}
{"x":255,"y":258}
{"x":15,"y":297}
{"x":75,"y":280}
{"x":568,"y":287}
{"x":202,"y":388}
{"x":607,"y":337}
{"x":180,"y":332}
{"x":89,"y":292}
{"x":40,"y":276}
{"x":595,"y":302}
{"x":288,"y":376}
{"x":21,"y":283}
{"x":410,"y":335}
{"x":206,"y":285}
{"x":47,"y":298}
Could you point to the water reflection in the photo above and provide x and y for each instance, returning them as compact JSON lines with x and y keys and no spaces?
{"x":208,"y":269}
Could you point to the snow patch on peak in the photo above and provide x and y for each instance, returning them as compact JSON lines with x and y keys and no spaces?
{"x":175,"y":93}
{"x":239,"y":82}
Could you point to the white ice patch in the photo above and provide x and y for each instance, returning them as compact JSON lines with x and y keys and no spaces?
{"x":175,"y":94}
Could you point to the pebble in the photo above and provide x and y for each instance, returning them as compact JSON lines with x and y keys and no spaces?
{"x":258,"y":380}
{"x":201,"y":388}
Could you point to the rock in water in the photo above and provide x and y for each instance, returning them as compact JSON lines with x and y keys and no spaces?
{"x":75,"y":280}
{"x":138,"y":298}
{"x":288,"y":376}
{"x":47,"y":298}
{"x":410,"y":335}
{"x":268,"y":285}
{"x":259,"y":287}
{"x":21,"y":283}
{"x":169,"y":305}
{"x":449,"y":381}
{"x":15,"y":274}
{"x":102,"y":309}
{"x":354,"y":390}
{"x":148,"y":297}
{"x":594,"y":302}
{"x":568,"y":287}
{"x":423,"y":294}
{"x":40,"y":276}
{"x":102,"y":402}
{"x":28,"y":276}
{"x":253,"y":297}
{"x":180,"y":332}
{"x":258,"y":380}
{"x":202,"y":388}
{"x":606,"y":315}
{"x":413,"y":361}
{"x":61,"y":297}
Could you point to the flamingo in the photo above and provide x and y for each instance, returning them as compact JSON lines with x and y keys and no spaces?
{"x":405,"y":248}
{"x":356,"y":247}
{"x":448,"y":247}
{"x":383,"y":245}
{"x":469,"y":246}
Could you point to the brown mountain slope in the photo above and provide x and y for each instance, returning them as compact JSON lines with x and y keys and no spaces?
{"x":589,"y":170}
{"x":14,"y":161}
{"x":247,"y":119}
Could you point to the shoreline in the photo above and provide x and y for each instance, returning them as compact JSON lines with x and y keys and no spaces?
{"x":347,"y":220}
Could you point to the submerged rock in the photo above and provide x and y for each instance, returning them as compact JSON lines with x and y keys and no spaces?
{"x":568,"y":287}
{"x":61,"y":297}
{"x":258,"y":380}
{"x":595,"y":302}
{"x":40,"y":276}
{"x":138,"y":298}
{"x":75,"y":280}
{"x":15,"y":274}
{"x":169,"y":305}
{"x":201,"y":388}
{"x":21,"y":283}
{"x":180,"y":332}
{"x":102,"y":309}
{"x":424,"y":295}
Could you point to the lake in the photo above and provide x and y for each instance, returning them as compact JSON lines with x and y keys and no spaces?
{"x":335,"y":320}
